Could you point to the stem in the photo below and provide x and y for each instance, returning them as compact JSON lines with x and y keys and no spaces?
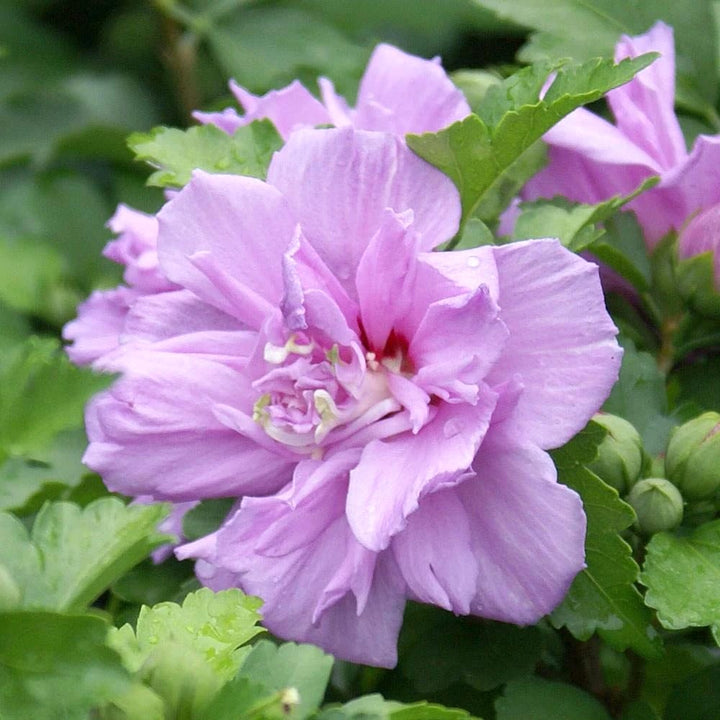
{"x":180,"y":54}
{"x":666,"y":356}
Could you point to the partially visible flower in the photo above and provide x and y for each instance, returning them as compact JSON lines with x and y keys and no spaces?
{"x":383,"y":410}
{"x":590,"y":159}
{"x":702,"y":235}
{"x":399,"y":93}
{"x":101,"y":323}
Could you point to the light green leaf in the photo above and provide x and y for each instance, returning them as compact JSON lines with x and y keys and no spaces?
{"x":41,"y":394}
{"x":213,"y":626}
{"x":178,"y":152}
{"x":305,"y":668}
{"x":56,"y":667}
{"x":603,"y":597}
{"x":477,"y":151}
{"x":243,"y":699}
{"x":545,"y":700}
{"x":375,"y":707}
{"x":74,"y":554}
{"x":682,"y":575}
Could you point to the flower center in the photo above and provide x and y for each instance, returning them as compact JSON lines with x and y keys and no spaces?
{"x":311,"y":398}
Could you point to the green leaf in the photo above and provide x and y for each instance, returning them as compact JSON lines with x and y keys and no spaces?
{"x":591,"y":28}
{"x":213,"y":626}
{"x":697,"y":698}
{"x":206,"y":517}
{"x":74,"y":554}
{"x":27,"y":482}
{"x":575,"y":225}
{"x":682,"y":575}
{"x":453,"y":644}
{"x":41,"y":394}
{"x":149,"y":584}
{"x":186,"y":653}
{"x":477,"y":151}
{"x":640,"y":397}
{"x":281,"y":44}
{"x":305,"y":668}
{"x":243,"y":699}
{"x":603,"y":597}
{"x":545,"y":700}
{"x":176,"y":153}
{"x":56,"y":667}
{"x":375,"y":707}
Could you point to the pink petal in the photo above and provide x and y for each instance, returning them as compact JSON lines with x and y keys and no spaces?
{"x":434,"y":553}
{"x":339,"y":183}
{"x":100,"y":322}
{"x":402,"y":93}
{"x":154,"y":432}
{"x":223,"y":237}
{"x":436,"y":457}
{"x":644,"y":108}
{"x":528,"y":531}
{"x":561,"y":343}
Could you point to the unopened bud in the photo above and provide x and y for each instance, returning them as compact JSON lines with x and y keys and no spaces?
{"x":657,"y":504}
{"x":10,"y":595}
{"x":620,"y":457}
{"x":692,"y":460}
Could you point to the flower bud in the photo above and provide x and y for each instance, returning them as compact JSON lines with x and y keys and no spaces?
{"x":620,"y":457}
{"x":692,"y":460}
{"x":698,"y":269}
{"x":657,"y":504}
{"x":10,"y":595}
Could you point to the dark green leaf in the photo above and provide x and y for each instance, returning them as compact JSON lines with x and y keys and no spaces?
{"x":374,"y":707}
{"x":206,"y":517}
{"x":697,"y":698}
{"x":603,"y":597}
{"x":545,"y":700}
{"x":482,"y":653}
{"x":178,"y":152}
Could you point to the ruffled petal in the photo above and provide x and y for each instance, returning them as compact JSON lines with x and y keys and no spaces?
{"x":561,"y":343}
{"x":417,"y":465}
{"x":154,"y":432}
{"x":528,"y":531}
{"x":223,"y":237}
{"x":435,"y":555}
{"x":325,"y":588}
{"x":96,"y":330}
{"x":339,"y":182}
{"x":401,"y":93}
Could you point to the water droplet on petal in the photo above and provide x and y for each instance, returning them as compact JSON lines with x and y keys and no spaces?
{"x":473,"y":261}
{"x":451,"y":428}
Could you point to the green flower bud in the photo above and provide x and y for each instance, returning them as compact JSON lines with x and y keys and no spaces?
{"x":657,"y":504}
{"x":692,"y":460}
{"x":10,"y":595}
{"x":620,"y":454}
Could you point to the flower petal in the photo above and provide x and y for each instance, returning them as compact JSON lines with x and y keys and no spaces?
{"x":561,"y":343}
{"x":434,"y":553}
{"x":339,"y":183}
{"x":401,"y":93}
{"x":528,"y":531}
{"x":386,"y":486}
{"x":223,"y":237}
{"x":154,"y":432}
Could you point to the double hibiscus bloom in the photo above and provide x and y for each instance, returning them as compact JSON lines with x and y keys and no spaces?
{"x":381,"y":411}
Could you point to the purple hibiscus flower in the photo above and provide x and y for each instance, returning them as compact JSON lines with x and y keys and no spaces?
{"x":383,"y":410}
{"x":591,"y":160}
{"x":399,"y":93}
{"x":100,"y":329}
{"x":701,"y":235}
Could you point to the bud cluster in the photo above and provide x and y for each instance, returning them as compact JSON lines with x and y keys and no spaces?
{"x":687,"y":486}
